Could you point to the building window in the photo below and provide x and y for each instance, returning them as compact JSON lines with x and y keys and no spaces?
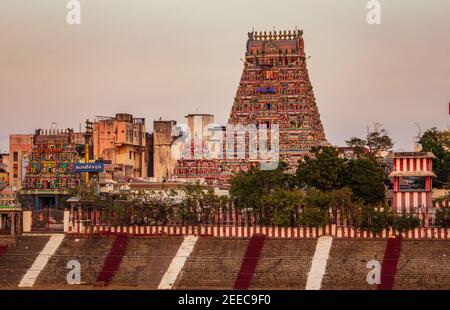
{"x":16,"y":156}
{"x":412,"y":184}
{"x":15,"y":171}
{"x":131,"y":154}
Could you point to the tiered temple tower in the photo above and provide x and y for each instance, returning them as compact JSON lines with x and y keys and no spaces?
{"x":50,"y":172}
{"x":275,"y":89}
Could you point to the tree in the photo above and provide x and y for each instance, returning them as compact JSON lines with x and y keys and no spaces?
{"x":377,"y":218}
{"x":343,"y":201}
{"x":438,"y":142}
{"x":443,"y":217}
{"x":443,"y":212}
{"x":365,"y":178}
{"x":248,"y":188}
{"x":377,"y":140}
{"x":283,"y":206}
{"x":405,"y":222}
{"x":314,"y":217}
{"x":322,"y":171}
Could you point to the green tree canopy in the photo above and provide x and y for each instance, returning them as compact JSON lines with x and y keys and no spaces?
{"x":323,"y":170}
{"x":365,"y":178}
{"x":438,"y":142}
{"x":282,"y":206}
{"x":248,"y":188}
{"x":377,"y":140}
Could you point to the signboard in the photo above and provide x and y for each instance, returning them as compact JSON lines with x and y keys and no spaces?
{"x":89,"y":167}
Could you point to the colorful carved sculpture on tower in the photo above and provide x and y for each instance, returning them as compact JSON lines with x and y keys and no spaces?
{"x":275,"y":89}
{"x":51,"y":166}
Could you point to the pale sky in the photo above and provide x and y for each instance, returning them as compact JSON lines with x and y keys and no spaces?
{"x":168,"y":58}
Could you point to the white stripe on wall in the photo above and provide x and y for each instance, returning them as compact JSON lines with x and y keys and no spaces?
{"x":407,"y":201}
{"x":41,"y":261}
{"x":399,"y":201}
{"x":319,"y":263}
{"x":177,"y":263}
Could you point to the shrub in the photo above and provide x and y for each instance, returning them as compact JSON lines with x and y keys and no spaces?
{"x":405,"y":222}
{"x":314,"y":217}
{"x":443,"y":217}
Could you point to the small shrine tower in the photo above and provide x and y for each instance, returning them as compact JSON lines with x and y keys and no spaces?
{"x":412,"y":178}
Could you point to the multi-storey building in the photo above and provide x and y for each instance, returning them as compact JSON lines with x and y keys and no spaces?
{"x":122,"y":141}
{"x":4,"y":176}
{"x":163,"y":161}
{"x":20,"y":146}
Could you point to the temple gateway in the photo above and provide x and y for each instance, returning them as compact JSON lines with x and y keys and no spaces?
{"x":275,"y":89}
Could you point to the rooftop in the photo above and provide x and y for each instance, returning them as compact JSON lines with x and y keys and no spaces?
{"x":413,"y":155}
{"x":280,"y":35}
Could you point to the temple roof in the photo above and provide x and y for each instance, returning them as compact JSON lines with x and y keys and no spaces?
{"x":280,"y":35}
{"x":412,"y":155}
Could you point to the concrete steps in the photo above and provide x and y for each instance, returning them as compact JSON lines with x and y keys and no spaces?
{"x":249,"y":262}
{"x":41,"y":261}
{"x":284,"y":264}
{"x":177,"y":263}
{"x":113,"y":260}
{"x":347,"y":263}
{"x":90,"y":252}
{"x":145,"y":262}
{"x":423,"y":265}
{"x":213,"y":264}
{"x":17,"y":260}
{"x":390,"y":261}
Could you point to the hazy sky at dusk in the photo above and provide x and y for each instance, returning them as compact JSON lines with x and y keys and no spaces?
{"x":168,"y":58}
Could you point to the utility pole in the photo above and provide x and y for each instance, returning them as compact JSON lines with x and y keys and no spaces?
{"x":89,"y":131}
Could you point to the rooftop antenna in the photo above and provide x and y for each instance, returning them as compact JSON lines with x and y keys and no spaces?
{"x":54,"y":125}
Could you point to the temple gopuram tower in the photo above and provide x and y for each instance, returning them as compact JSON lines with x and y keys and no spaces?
{"x":275,"y":89}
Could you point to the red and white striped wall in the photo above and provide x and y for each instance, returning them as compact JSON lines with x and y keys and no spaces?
{"x":410,"y":201}
{"x":413,"y":164}
{"x":269,"y":231}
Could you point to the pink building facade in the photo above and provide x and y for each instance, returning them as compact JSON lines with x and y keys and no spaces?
{"x":412,"y":177}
